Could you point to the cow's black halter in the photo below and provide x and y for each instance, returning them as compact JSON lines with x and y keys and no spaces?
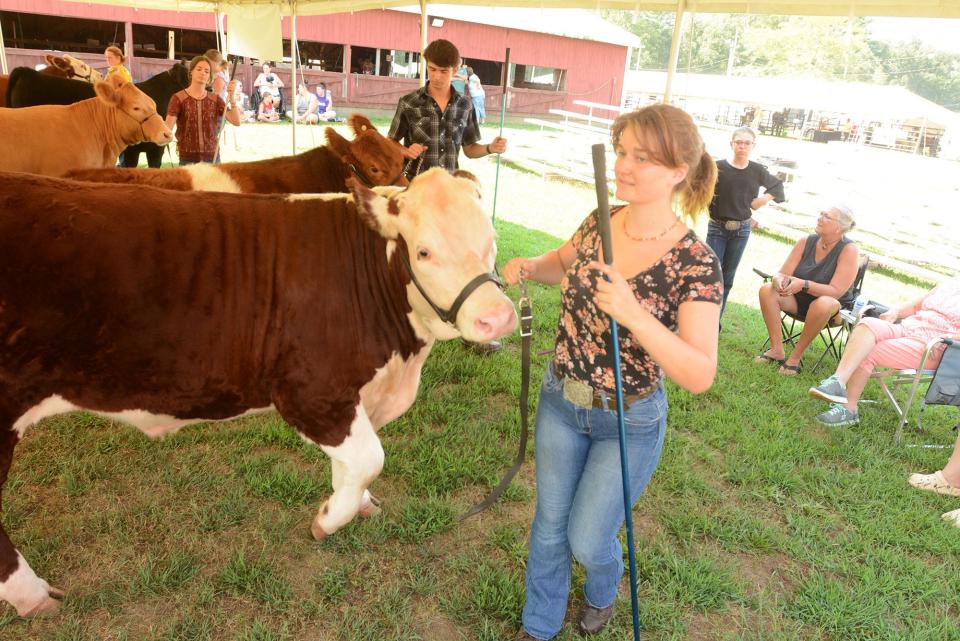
{"x":450,"y":315}
{"x":366,"y":180}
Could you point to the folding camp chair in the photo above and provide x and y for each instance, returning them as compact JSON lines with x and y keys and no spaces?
{"x":834,"y":335}
{"x":945,"y":392}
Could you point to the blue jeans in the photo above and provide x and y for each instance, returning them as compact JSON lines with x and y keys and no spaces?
{"x":479,"y":107}
{"x":580,"y":498}
{"x":728,"y":245}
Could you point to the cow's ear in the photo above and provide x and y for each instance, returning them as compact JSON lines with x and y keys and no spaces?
{"x":360,"y":123}
{"x":116,"y":80}
{"x":337,"y":143}
{"x":382,"y":215}
{"x":107,"y":91}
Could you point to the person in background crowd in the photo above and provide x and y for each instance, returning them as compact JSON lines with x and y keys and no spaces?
{"x":115,"y":60}
{"x":306,"y":106}
{"x":242,"y":101}
{"x":196,"y":114}
{"x":738,"y":183}
{"x":220,"y":77}
{"x":459,"y":81}
{"x":267,"y":111}
{"x":885,"y":342}
{"x":477,"y":95}
{"x":325,"y":103}
{"x":268,"y":82}
{"x":815,"y":281}
{"x":665,"y":291}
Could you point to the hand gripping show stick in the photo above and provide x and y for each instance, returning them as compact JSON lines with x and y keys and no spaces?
{"x":603,"y":223}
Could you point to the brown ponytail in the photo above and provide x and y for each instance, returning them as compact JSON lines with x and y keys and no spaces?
{"x":672,"y":139}
{"x":699,"y":186}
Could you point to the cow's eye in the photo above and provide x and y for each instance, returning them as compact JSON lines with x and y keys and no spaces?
{"x":423,"y":253}
{"x":374,"y":170}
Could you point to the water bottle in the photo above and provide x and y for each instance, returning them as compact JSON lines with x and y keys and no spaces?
{"x":858,"y":306}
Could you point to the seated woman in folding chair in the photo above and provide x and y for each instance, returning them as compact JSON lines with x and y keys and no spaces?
{"x":814,"y":282}
{"x":882,"y":342}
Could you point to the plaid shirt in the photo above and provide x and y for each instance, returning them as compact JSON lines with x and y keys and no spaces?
{"x":418,"y":120}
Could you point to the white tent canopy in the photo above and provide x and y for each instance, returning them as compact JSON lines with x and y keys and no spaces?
{"x":889,"y":8}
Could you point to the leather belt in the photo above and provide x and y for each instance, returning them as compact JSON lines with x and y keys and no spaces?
{"x":730,"y":225}
{"x":584,"y":396}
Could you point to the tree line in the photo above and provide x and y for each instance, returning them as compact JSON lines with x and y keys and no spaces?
{"x":799,"y":46}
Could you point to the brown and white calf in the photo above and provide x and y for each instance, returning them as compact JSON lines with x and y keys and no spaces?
{"x":66,"y":66}
{"x":53,"y":139}
{"x":308,"y":305}
{"x":370,"y":157}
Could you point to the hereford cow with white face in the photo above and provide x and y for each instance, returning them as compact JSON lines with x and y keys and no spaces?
{"x":193,"y":306}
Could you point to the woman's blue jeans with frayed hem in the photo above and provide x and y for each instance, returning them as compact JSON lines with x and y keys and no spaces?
{"x":580,"y":498}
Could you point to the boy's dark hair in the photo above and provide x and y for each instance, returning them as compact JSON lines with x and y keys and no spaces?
{"x":442,"y":53}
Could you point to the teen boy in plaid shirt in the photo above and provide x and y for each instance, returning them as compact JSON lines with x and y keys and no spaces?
{"x":436,"y":121}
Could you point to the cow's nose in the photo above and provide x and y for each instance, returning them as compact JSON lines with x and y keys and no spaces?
{"x":498,"y":322}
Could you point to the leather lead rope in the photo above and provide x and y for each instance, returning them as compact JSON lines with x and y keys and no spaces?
{"x":526,"y":331}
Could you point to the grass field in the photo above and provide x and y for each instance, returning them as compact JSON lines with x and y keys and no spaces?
{"x":758,"y":524}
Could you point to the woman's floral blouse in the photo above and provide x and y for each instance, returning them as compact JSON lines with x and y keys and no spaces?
{"x":689,"y":271}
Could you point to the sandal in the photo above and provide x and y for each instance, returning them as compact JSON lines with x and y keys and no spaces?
{"x":789,"y":370}
{"x":952,"y":517}
{"x":933,"y":483}
{"x":764,"y":358}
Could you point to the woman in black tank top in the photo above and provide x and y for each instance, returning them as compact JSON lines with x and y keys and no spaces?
{"x":813,"y":284}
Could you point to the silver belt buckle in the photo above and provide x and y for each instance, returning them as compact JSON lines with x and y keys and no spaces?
{"x":732,"y":225}
{"x":580,"y":394}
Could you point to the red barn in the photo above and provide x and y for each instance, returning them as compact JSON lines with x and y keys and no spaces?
{"x":366,"y":58}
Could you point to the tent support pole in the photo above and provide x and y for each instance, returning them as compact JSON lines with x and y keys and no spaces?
{"x":295,"y":86}
{"x":423,"y":42}
{"x":674,"y":50}
{"x":3,"y":53}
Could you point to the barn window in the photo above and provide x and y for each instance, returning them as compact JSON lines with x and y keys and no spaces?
{"x":535,"y":77}
{"x":404,"y":64}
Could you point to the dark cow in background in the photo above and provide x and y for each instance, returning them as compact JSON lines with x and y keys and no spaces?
{"x":162,"y":309}
{"x":370,"y":157}
{"x":29,"y":88}
{"x":53,"y":139}
{"x":159,"y":87}
{"x":60,"y":67}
